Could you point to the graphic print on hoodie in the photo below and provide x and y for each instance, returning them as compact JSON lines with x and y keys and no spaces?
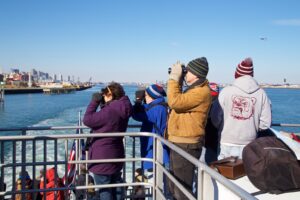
{"x":242,"y":107}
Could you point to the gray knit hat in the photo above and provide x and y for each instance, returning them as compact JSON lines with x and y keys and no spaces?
{"x":198,"y":67}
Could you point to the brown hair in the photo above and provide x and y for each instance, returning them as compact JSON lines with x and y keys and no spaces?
{"x":115,"y":89}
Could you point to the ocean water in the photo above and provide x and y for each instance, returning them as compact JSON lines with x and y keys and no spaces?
{"x":22,"y":110}
{"x":285,"y":107}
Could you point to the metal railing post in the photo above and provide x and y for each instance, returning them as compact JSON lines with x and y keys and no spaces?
{"x":78,"y":147}
{"x":66,"y":162}
{"x":14,"y":168}
{"x":66,"y":166}
{"x":86,"y":174}
{"x":285,"y":125}
{"x":200,"y":183}
{"x":124,"y":168}
{"x":23,"y":160}
{"x":55,"y":166}
{"x":45,"y":167}
{"x":2,"y":168}
{"x":34,"y":167}
{"x":154,"y":168}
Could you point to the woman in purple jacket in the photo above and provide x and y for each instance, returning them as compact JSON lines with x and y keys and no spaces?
{"x":113,"y":116}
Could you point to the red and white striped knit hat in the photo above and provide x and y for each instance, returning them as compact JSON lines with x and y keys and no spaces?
{"x":244,"y":68}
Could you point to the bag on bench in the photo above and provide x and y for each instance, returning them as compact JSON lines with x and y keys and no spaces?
{"x":230,"y":167}
{"x":271,"y":166}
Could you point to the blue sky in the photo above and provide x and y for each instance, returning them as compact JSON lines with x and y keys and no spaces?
{"x":137,"y":40}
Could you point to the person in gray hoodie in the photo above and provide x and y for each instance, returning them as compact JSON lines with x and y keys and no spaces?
{"x":245,"y":109}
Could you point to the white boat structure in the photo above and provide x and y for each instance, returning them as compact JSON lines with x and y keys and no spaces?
{"x":32,"y":150}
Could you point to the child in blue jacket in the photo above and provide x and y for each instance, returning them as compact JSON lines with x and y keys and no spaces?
{"x":153,"y":114}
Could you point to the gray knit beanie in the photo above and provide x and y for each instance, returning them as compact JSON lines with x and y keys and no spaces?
{"x":198,"y":67}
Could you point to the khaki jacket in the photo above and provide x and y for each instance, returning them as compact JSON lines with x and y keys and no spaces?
{"x":189,"y":111}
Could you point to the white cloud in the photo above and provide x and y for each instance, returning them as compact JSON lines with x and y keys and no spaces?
{"x":287,"y":22}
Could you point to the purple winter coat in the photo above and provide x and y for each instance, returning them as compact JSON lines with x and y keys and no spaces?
{"x":113,"y":117}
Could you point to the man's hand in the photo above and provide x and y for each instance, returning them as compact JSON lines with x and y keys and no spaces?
{"x":176,"y":71}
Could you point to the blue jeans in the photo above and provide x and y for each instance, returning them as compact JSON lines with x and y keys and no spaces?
{"x":109,"y":193}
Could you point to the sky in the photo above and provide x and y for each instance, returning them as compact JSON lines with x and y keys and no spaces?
{"x":138,"y":40}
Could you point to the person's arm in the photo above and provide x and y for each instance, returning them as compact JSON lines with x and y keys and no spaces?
{"x":139,"y":113}
{"x":216,"y":114}
{"x":266,"y":114}
{"x":94,"y":119}
{"x":182,"y":102}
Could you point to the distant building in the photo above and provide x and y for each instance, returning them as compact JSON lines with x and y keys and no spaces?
{"x":42,"y":76}
{"x":34,"y":72}
{"x":16,"y":76}
{"x":54,"y":78}
{"x":34,"y":75}
{"x":1,"y":77}
{"x":24,"y":77}
{"x":15,"y":71}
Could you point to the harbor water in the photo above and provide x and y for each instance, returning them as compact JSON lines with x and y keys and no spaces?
{"x":22,"y":110}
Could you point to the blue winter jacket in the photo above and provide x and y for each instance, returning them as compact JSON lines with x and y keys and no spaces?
{"x":154,"y":119}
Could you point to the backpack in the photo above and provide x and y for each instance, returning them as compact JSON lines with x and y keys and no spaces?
{"x":271,"y":166}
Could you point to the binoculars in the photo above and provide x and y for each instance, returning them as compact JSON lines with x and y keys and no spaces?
{"x":183,"y":69}
{"x":140,"y":95}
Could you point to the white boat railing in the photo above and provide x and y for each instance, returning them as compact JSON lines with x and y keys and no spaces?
{"x":28,"y":160}
{"x":285,"y":125}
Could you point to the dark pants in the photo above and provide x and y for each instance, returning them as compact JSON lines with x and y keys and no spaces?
{"x":109,"y":193}
{"x":182,"y":169}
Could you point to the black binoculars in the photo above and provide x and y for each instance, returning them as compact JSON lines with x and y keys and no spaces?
{"x":140,"y":95}
{"x":183,"y":68}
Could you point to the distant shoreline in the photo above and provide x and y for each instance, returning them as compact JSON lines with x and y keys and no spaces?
{"x":35,"y":90}
{"x":281,"y":87}
{"x":22,"y":90}
{"x":272,"y":86}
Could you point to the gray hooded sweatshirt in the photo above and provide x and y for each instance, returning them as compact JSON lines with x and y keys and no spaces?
{"x":246,"y":109}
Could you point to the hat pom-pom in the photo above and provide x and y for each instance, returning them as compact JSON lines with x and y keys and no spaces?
{"x":247,"y":62}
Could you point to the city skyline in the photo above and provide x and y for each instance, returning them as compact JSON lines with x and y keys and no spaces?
{"x":40,"y":75}
{"x":137,"y":41}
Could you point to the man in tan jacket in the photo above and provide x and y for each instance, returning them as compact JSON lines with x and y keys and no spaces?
{"x":187,"y":120}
